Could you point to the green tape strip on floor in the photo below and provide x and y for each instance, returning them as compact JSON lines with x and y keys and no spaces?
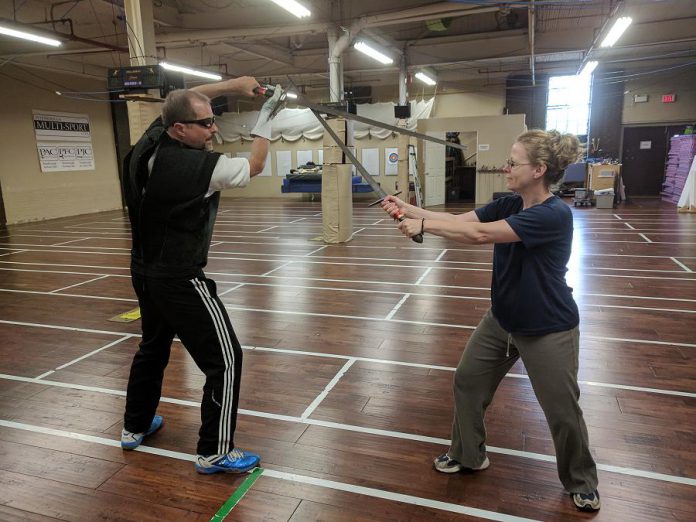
{"x":237,"y":496}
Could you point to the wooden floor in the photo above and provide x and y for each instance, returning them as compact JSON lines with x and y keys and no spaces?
{"x":349,"y":356}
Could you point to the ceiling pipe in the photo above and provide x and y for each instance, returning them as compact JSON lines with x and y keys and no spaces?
{"x":249,"y":34}
{"x":336,"y":47}
{"x":334,"y":70}
{"x":428,"y":12}
{"x":403,"y":77}
{"x":416,"y":14}
{"x":64,"y":52}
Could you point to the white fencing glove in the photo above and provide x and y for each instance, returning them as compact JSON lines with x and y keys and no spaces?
{"x":262,"y":129}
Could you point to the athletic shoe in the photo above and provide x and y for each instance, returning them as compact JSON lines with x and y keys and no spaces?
{"x":445,"y":464}
{"x":236,"y":461}
{"x":130,"y":440}
{"x":587,"y":501}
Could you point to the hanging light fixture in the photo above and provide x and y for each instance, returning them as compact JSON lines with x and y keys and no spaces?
{"x":427,"y":76}
{"x":373,"y":53}
{"x":293,"y":7}
{"x":192,"y":72}
{"x":616,"y":31}
{"x":589,"y":67}
{"x":29,"y":36}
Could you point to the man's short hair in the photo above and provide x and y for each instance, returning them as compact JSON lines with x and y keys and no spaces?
{"x":178,"y":106}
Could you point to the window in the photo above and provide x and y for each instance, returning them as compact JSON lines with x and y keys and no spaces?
{"x":568,"y":106}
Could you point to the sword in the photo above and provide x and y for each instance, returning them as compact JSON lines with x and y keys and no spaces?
{"x":418,"y":238}
{"x":326,"y":109}
{"x":318,"y":110}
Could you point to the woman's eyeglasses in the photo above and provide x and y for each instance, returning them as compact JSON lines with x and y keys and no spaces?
{"x":205,"y":122}
{"x":512,"y":163}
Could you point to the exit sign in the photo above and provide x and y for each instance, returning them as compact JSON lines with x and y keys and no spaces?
{"x":669,"y":98}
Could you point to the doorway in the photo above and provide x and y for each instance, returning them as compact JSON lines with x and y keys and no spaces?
{"x":434,"y":170}
{"x":460,"y":167}
{"x":3,"y":218}
{"x":643,"y":157}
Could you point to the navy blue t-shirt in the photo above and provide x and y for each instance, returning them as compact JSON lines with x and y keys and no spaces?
{"x":529,"y":293}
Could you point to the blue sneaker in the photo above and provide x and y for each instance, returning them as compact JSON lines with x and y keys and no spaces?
{"x":236,"y":461}
{"x":130,"y":440}
{"x":587,"y":501}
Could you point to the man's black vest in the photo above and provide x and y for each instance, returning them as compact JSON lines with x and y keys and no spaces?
{"x":171,"y":219}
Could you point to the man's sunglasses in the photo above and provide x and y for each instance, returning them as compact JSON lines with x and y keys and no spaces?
{"x":205,"y":122}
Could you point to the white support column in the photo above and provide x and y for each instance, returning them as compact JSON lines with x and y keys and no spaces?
{"x":403,"y":75}
{"x":142,"y":51}
{"x":334,"y":66}
{"x":141,"y":32}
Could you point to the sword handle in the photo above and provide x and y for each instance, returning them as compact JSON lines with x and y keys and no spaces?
{"x":265,"y":90}
{"x":418,"y":238}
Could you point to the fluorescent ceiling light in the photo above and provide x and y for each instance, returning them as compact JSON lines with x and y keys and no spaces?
{"x":192,"y":72}
{"x":589,"y":67}
{"x":426,"y":77}
{"x":291,"y":95}
{"x":373,"y":53}
{"x":615,"y":33}
{"x":29,"y":36}
{"x":295,"y":8}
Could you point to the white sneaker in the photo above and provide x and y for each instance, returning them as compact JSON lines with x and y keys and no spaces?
{"x":445,"y":464}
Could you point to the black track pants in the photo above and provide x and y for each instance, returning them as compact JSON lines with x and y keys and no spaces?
{"x":191,"y":310}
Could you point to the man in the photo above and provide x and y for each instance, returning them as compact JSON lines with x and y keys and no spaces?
{"x":171,"y":184}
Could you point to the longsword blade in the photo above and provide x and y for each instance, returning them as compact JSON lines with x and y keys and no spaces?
{"x":363,"y":171}
{"x":324,"y":109}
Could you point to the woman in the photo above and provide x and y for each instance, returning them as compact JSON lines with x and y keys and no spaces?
{"x":533,"y":314}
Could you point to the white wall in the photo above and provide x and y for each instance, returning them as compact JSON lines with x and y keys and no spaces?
{"x":681,"y":82}
{"x":495,"y":133}
{"x":486,"y":102}
{"x":30,"y":194}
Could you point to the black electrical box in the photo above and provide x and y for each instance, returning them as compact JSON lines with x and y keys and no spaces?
{"x":137,"y":77}
{"x":140,"y":78}
{"x":358,"y":94}
{"x":402,"y":112}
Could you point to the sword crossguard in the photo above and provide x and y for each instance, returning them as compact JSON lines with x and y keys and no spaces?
{"x":382,"y":199}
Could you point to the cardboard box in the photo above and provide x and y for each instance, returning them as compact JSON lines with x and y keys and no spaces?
{"x":604,"y":200}
{"x":333,"y":155}
{"x":337,"y":203}
{"x":601,"y":176}
{"x":350,"y":133}
{"x":338,"y":125}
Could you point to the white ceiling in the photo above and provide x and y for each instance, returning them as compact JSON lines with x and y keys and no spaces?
{"x":464,"y":41}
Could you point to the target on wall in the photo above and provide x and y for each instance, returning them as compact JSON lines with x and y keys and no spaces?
{"x":393,"y":157}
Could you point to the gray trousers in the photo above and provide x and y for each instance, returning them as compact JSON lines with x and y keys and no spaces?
{"x":552,"y":364}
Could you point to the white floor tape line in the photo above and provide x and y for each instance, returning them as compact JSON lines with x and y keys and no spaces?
{"x":290,"y":477}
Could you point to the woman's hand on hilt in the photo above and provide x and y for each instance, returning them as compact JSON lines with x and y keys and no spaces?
{"x":394,"y":206}
{"x":410,"y":227}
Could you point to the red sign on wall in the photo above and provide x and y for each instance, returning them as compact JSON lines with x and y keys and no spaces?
{"x":669,"y":98}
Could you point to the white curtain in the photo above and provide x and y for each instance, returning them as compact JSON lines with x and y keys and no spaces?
{"x":293,"y":124}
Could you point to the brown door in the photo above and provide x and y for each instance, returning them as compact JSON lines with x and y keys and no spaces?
{"x":643,"y":159}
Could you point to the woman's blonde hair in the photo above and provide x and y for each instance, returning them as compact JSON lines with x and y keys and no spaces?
{"x":553,"y":149}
